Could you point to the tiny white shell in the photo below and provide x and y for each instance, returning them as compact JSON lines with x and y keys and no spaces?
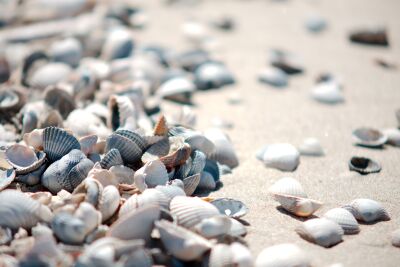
{"x":367,"y":210}
{"x":344,"y":218}
{"x":283,"y":255}
{"x":281,"y":156}
{"x":322,"y":232}
{"x":327,"y":92}
{"x":311,"y":147}
{"x":288,"y":186}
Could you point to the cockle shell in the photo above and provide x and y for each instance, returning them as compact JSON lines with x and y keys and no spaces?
{"x":328,"y":93}
{"x":196,"y":140}
{"x":88,"y":143}
{"x":344,"y":218}
{"x":112,"y":158}
{"x":109,"y":202}
{"x":230,"y":207}
{"x":57,"y":143}
{"x":198,"y":162}
{"x":287,"y":186}
{"x":171,"y":190}
{"x":189,"y":211}
{"x":211,"y":75}
{"x":393,"y":136}
{"x":224,"y":151}
{"x":369,"y":137}
{"x":21,"y":210}
{"x":153,"y":173}
{"x":322,"y":232}
{"x":364,"y":165}
{"x":283,"y":255}
{"x":180,"y":242}
{"x":213,"y":227}
{"x":396,"y":238}
{"x":311,"y":147}
{"x":129,"y":150}
{"x":6,"y":178}
{"x":149,"y":197}
{"x":367,"y":210}
{"x":273,"y":76}
{"x":281,"y":156}
{"x":230,"y":255}
{"x":190,"y":184}
{"x":299,"y":206}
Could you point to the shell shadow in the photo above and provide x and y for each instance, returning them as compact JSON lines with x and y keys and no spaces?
{"x":242,"y":221}
{"x":371,"y":223}
{"x":382,"y":147}
{"x":302,"y":219}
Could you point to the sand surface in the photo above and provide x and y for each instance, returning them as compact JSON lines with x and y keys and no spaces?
{"x":269,"y":115}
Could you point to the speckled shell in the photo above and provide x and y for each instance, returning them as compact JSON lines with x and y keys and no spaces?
{"x":367,"y":210}
{"x":24,"y":159}
{"x":230,"y":255}
{"x":369,"y":137}
{"x":149,"y":197}
{"x":283,"y":255}
{"x":190,"y":184}
{"x":344,"y":218}
{"x":57,"y":143}
{"x":364,"y":165}
{"x":302,"y":207}
{"x":153,"y":173}
{"x":287,"y":186}
{"x":21,"y":210}
{"x":230,"y":207}
{"x":109,"y":202}
{"x":112,"y":158}
{"x":322,"y":232}
{"x":182,"y":243}
{"x":6,"y":178}
{"x":189,"y":211}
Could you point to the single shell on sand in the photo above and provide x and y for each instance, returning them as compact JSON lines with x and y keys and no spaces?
{"x":230,"y":207}
{"x":273,"y":76}
{"x":311,"y":147}
{"x":327,"y":92}
{"x":322,"y":232}
{"x":281,"y":156}
{"x":283,"y":255}
{"x":364,"y":165}
{"x":287,"y":186}
{"x":299,"y":206}
{"x":286,"y":61}
{"x":396,"y":238}
{"x":344,"y":218}
{"x":369,"y":137}
{"x":367,"y":210}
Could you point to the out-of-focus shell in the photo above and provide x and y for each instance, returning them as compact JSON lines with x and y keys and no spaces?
{"x":84,"y":123}
{"x":287,"y":186}
{"x":224,"y":151}
{"x":369,"y":137}
{"x":283,"y":255}
{"x":364,"y":165}
{"x":206,"y":182}
{"x":161,"y":127}
{"x":68,"y":228}
{"x":367,"y":210}
{"x":68,"y":51}
{"x":311,"y":147}
{"x":273,"y":76}
{"x":5,"y":236}
{"x":6,"y":178}
{"x":189,"y":211}
{"x":281,"y":156}
{"x":178,"y":89}
{"x":60,"y":100}
{"x":150,"y":197}
{"x":136,"y":224}
{"x":185,"y":117}
{"x":30,"y":122}
{"x":34,"y":138}
{"x":57,"y":143}
{"x":92,"y":189}
{"x":213,"y":227}
{"x":121,"y":110}
{"x":88,"y":143}
{"x":190,"y":184}
{"x":180,"y":242}
{"x":230,"y":207}
{"x":344,"y":218}
{"x":32,"y":178}
{"x":112,"y":158}
{"x":89,"y":215}
{"x":49,"y":74}
{"x":396,"y":238}
{"x":211,"y":75}
{"x":21,"y":210}
{"x":11,"y":99}
{"x":315,"y":23}
{"x":118,"y":44}
{"x":230,"y":255}
{"x":286,"y":61}
{"x":109,"y":202}
{"x":322,"y":232}
{"x":123,"y":174}
{"x":153,"y":173}
{"x":328,"y":93}
{"x":237,"y":229}
{"x":299,"y":206}
{"x":393,"y":136}
{"x":42,"y":197}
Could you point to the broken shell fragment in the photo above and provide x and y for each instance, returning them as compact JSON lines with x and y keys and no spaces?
{"x":322,"y":232}
{"x":364,"y":165}
{"x":6,"y":178}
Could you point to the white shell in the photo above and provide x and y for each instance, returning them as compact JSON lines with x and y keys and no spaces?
{"x":68,"y":51}
{"x":273,"y":76}
{"x":230,"y":207}
{"x":109,"y":202}
{"x":89,"y":215}
{"x":287,"y":186}
{"x":237,"y":228}
{"x":230,"y":255}
{"x":315,"y":23}
{"x":344,"y":218}
{"x":327,"y":92}
{"x":282,"y":156}
{"x":150,"y":197}
{"x":393,"y":136}
{"x":224,"y":150}
{"x":283,"y":255}
{"x":396,"y":238}
{"x":123,"y":174}
{"x":367,"y":210}
{"x":213,"y":227}
{"x":49,"y":74}
{"x":302,"y":207}
{"x":176,"y":86}
{"x":322,"y":232}
{"x":153,"y":173}
{"x":311,"y":147}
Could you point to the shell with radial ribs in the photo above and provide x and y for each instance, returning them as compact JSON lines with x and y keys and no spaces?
{"x":367,"y":210}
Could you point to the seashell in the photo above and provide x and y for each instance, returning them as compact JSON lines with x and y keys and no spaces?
{"x":196,"y":140}
{"x":32,"y":178}
{"x":185,"y":117}
{"x":49,"y":74}
{"x":105,"y":177}
{"x":322,"y":232}
{"x":130,"y":152}
{"x":5,"y":69}
{"x":190,"y":184}
{"x":213,"y":227}
{"x":92,"y":189}
{"x":112,"y":158}
{"x":286,"y":61}
{"x":215,"y":169}
{"x":364,"y":165}
{"x":6,"y":178}
{"x":195,"y":31}
{"x":98,"y":233}
{"x":57,"y":143}
{"x":161,"y":127}
{"x":29,"y":122}
{"x":211,"y":75}
{"x":178,"y":89}
{"x":206,"y":182}
{"x":153,"y":173}
{"x":5,"y":236}
{"x":137,"y":224}
{"x":273,"y":76}
{"x":230,"y":207}
{"x":109,"y":202}
{"x":367,"y":210}
{"x":121,"y":110}
{"x":224,"y":152}
{"x":198,"y":162}
{"x":344,"y":218}
{"x":189,"y":211}
{"x":281,"y":255}
{"x":52,"y":118}
{"x":34,"y":138}
{"x":299,"y":206}
{"x":88,"y":143}
{"x":68,"y":228}
{"x":315,"y":23}
{"x":287,"y":186}
{"x":41,"y":230}
{"x":118,"y":44}
{"x":393,"y":136}
{"x":89,"y":215}
{"x":21,"y":210}
{"x":123,"y":174}
{"x":68,"y":51}
{"x":83,"y":123}
{"x":281,"y":156}
{"x":171,"y":190}
{"x":149,"y":197}
{"x":191,"y":59}
{"x":237,"y":229}
{"x":182,"y":171}
{"x":230,"y":255}
{"x":370,"y":37}
{"x":328,"y":93}
{"x":180,"y":242}
{"x":369,"y":137}
{"x":11,"y":99}
{"x":78,"y":173}
{"x":218,"y":122}
{"x":396,"y":238}
{"x":134,"y":137}
{"x":311,"y":147}
{"x":24,"y":159}
{"x":42,"y":197}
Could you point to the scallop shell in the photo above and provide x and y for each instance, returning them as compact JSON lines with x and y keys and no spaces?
{"x":130,"y":152}
{"x":180,"y":242}
{"x":364,"y":165}
{"x":367,"y":210}
{"x":153,"y":173}
{"x":322,"y":232}
{"x":79,"y":172}
{"x":299,"y":206}
{"x":281,"y":156}
{"x":6,"y":178}
{"x":57,"y":143}
{"x":136,"y":224}
{"x":68,"y":228}
{"x":311,"y":147}
{"x":328,"y":93}
{"x":283,"y":255}
{"x":224,"y":152}
{"x":369,"y":137}
{"x":88,"y":143}
{"x":112,"y":158}
{"x":230,"y":255}
{"x":189,"y":211}
{"x":230,"y":207}
{"x":344,"y":218}
{"x":211,"y":75}
{"x":396,"y":238}
{"x":21,"y":210}
{"x":190,"y":184}
{"x":393,"y":136}
{"x":213,"y":227}
{"x":273,"y":76}
{"x":287,"y":186}
{"x":24,"y":159}
{"x":170,"y":191}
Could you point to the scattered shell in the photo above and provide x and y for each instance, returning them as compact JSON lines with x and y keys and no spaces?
{"x":283,"y":255}
{"x":179,"y":89}
{"x":315,"y":23}
{"x":396,"y":238}
{"x":237,"y":228}
{"x":344,"y":218}
{"x":118,"y":44}
{"x":287,"y":186}
{"x":370,"y":37}
{"x":68,"y":51}
{"x":302,"y":207}
{"x":367,"y":210}
{"x":213,"y":227}
{"x":311,"y":147}
{"x":230,"y":207}
{"x":393,"y":136}
{"x":273,"y":76}
{"x":130,"y":151}
{"x":207,"y":182}
{"x":328,"y":93}
{"x":68,"y":228}
{"x":5,"y":236}
{"x":322,"y":232}
{"x":286,"y":61}
{"x":24,"y":159}
{"x":282,"y":156}
{"x":211,"y":75}
{"x":57,"y":143}
{"x":364,"y":165}
{"x":49,"y":74}
{"x":369,"y":137}
{"x":224,"y":151}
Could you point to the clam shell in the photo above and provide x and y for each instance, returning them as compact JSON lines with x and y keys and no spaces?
{"x":68,"y":228}
{"x":369,"y":137}
{"x":224,"y":152}
{"x":328,"y":93}
{"x":281,"y":156}
{"x":180,"y":242}
{"x":88,"y":144}
{"x":189,"y":211}
{"x":230,"y":207}
{"x":322,"y":232}
{"x":213,"y":227}
{"x":49,"y":74}
{"x":311,"y":147}
{"x":21,"y":210}
{"x":283,"y":255}
{"x":134,"y":137}
{"x":367,"y":210}
{"x":211,"y":75}
{"x":112,"y":158}
{"x":287,"y":186}
{"x":393,"y":136}
{"x":344,"y":218}
{"x":150,"y":197}
{"x":6,"y":178}
{"x":364,"y":165}
{"x":396,"y":238}
{"x":24,"y":159}
{"x":299,"y":206}
{"x":230,"y":255}
{"x":57,"y":143}
{"x":60,"y":100}
{"x":206,"y":182}
{"x":190,"y":184}
{"x":136,"y":224}
{"x":178,"y":89}
{"x":273,"y":76}
{"x":92,"y":189}
{"x":130,"y":152}
{"x":153,"y":173}
{"x":32,"y":178}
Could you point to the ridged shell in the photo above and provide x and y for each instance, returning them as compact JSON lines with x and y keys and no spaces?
{"x":198,"y":162}
{"x":153,"y":173}
{"x":112,"y":158}
{"x":281,"y":156}
{"x":182,"y":243}
{"x":88,"y":143}
{"x":6,"y":178}
{"x":190,"y":184}
{"x":57,"y":143}
{"x":364,"y":165}
{"x":369,"y":137}
{"x":224,"y":151}
{"x":79,"y":172}
{"x":396,"y":238}
{"x":21,"y":210}
{"x":283,"y":255}
{"x":189,"y":211}
{"x":109,"y":202}
{"x":170,"y":191}
{"x":24,"y":159}
{"x":157,"y":150}
{"x":68,"y":228}
{"x":230,"y":207}
{"x":134,"y":137}
{"x":130,"y":152}
{"x":287,"y":186}
{"x":322,"y":232}
{"x":136,"y":224}
{"x":150,"y":197}
{"x":344,"y":218}
{"x":311,"y":147}
{"x":213,"y":227}
{"x":302,"y":207}
{"x":236,"y":254}
{"x":367,"y":210}
{"x":211,"y":75}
